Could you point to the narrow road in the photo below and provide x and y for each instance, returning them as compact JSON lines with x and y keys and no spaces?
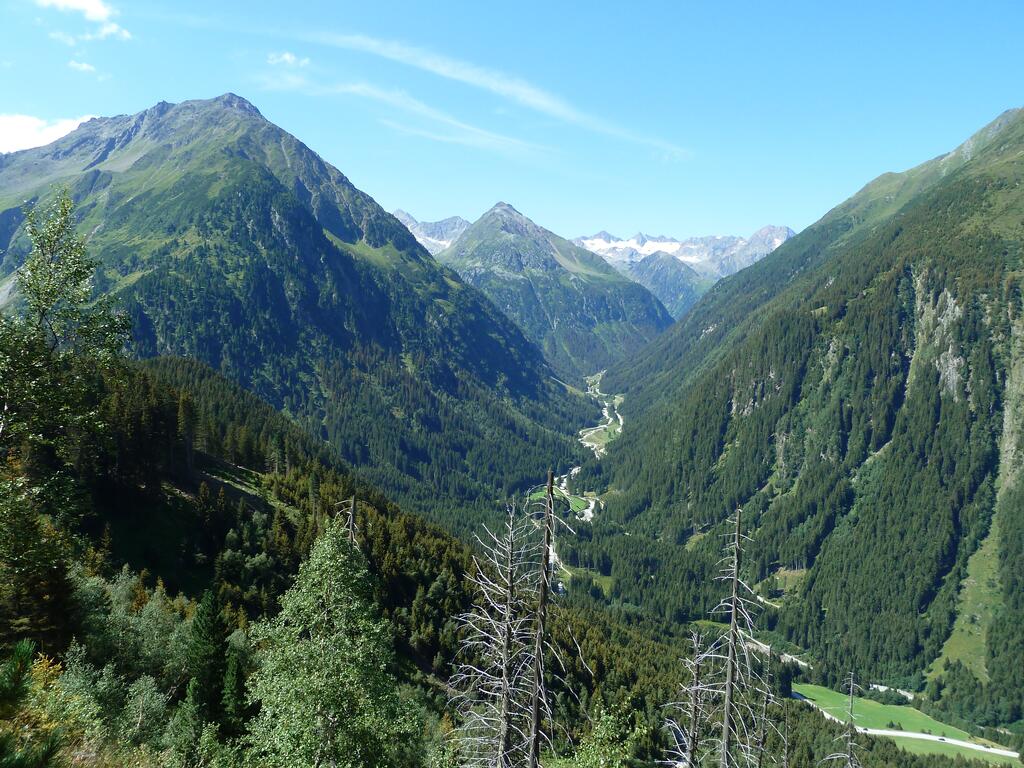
{"x":764,"y":649}
{"x":943,"y":739}
{"x":895,"y":734}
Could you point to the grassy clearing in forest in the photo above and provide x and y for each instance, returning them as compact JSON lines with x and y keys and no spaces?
{"x":604,"y":582}
{"x":871,"y":714}
{"x":919,"y":747}
{"x":979,"y":600}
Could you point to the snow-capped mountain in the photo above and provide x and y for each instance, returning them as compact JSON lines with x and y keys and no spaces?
{"x":715,"y":256}
{"x":435,"y":236}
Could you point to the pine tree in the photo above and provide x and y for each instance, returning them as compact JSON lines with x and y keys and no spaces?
{"x":207,"y":657}
{"x":233,"y":701}
{"x":18,"y":752}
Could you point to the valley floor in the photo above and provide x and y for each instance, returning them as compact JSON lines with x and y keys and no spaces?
{"x":597,"y":438}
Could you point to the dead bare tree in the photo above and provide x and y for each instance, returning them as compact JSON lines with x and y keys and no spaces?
{"x":735,"y":696}
{"x":348,"y":508}
{"x":691,"y":716}
{"x":539,"y":702}
{"x":785,"y":734}
{"x":496,"y":680}
{"x":764,"y":723}
{"x":848,"y":738}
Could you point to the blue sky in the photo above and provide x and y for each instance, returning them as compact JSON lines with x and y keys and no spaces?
{"x":675,"y":118}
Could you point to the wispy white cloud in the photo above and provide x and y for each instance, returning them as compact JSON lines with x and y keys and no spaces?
{"x":25,"y":131}
{"x":287,"y":59}
{"x":464,"y":139}
{"x":100,"y":13}
{"x":465,"y":133}
{"x":460,"y":132}
{"x":110,"y":29}
{"x":499,"y":83}
{"x":81,"y":66}
{"x":510,"y":87}
{"x":63,"y":37}
{"x":92,"y":10}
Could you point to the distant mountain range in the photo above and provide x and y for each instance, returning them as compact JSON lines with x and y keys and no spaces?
{"x":580,"y":311}
{"x":435,"y":236}
{"x":678,"y":272}
{"x":716,"y":255}
{"x":676,"y":284}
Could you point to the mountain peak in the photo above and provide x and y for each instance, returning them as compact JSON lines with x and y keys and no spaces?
{"x":435,"y":236}
{"x":772,"y":231}
{"x":582,"y":313}
{"x":405,"y":217}
{"x":505,"y":208}
{"x":234,"y":101}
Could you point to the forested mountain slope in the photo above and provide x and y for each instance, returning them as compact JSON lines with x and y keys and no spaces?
{"x":202,"y":498}
{"x":676,"y":284}
{"x":231,"y":242}
{"x":858,"y":393}
{"x":736,"y":304}
{"x":569,"y":301}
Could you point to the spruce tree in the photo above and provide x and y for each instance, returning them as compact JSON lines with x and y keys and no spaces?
{"x":35,"y":593}
{"x":207,"y":660}
{"x":233,"y":698}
